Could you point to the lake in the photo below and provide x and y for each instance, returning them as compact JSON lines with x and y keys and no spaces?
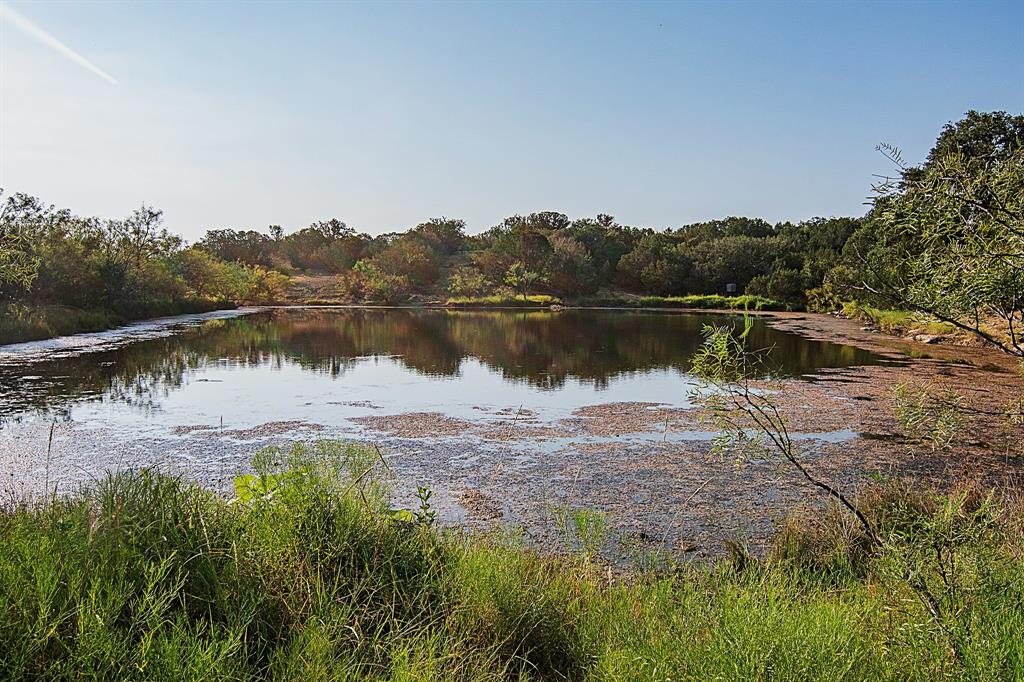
{"x":327,"y":365}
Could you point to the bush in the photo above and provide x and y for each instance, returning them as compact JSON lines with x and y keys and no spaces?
{"x":20,"y":323}
{"x":784,"y":284}
{"x":366,"y":283}
{"x":468,"y":282}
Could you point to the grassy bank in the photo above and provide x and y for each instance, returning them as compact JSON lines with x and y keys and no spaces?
{"x":896,"y":322}
{"x":712,"y":301}
{"x":309,"y":574}
{"x":701,"y":302}
{"x":22,"y":322}
{"x":503,"y":301}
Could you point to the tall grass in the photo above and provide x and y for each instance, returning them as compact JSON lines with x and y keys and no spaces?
{"x":309,"y":574}
{"x":896,"y":321}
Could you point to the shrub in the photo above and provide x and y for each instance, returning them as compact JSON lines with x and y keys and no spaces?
{"x":367,"y":283}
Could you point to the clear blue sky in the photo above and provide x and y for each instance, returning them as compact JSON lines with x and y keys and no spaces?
{"x":243,"y":114}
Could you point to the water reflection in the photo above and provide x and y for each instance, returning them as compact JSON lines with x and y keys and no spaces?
{"x":541,"y":349}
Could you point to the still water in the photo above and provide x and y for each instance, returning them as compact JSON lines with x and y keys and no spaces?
{"x":328,"y":365}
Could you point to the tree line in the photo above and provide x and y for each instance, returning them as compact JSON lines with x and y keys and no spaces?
{"x":130,"y":265}
{"x":549,"y":252}
{"x":943,"y":238}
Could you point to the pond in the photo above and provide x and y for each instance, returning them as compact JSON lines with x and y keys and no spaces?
{"x":329,"y":365}
{"x":505,"y":414}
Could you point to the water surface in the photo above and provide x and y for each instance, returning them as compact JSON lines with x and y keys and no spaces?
{"x":326,"y":365}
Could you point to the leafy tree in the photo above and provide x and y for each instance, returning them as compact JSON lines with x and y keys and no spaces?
{"x":18,"y":266}
{"x":519,"y":239}
{"x":206,"y":275}
{"x":783,"y":284}
{"x":259,"y":285}
{"x":949,"y":242}
{"x":332,"y":230}
{"x":733,"y":259}
{"x":241,"y":246}
{"x":987,"y":136}
{"x":141,"y":235}
{"x":367,"y":282}
{"x":733,"y":226}
{"x":521,"y":279}
{"x":571,"y":268}
{"x":409,"y":257}
{"x":605,"y":242}
{"x":468,"y":282}
{"x":442,"y":235}
{"x":657,"y":264}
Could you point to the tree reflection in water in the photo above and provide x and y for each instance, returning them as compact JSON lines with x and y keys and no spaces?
{"x":542,"y":348}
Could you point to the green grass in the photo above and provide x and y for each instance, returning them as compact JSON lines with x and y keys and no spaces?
{"x":502,"y":300}
{"x":712,"y":301}
{"x":896,"y":321}
{"x":309,"y":575}
{"x":24,"y":322}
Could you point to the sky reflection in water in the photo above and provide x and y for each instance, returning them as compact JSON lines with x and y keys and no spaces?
{"x":327,"y":365}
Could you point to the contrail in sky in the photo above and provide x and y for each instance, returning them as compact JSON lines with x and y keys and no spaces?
{"x":25,"y":25}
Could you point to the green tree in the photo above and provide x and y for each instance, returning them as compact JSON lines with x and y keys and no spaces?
{"x":949,"y":242}
{"x":468,"y":282}
{"x":368,"y":283}
{"x":205,"y":274}
{"x":784,"y":284}
{"x":141,"y":235}
{"x":408,"y":256}
{"x":572,"y":270}
{"x":979,"y":135}
{"x":242,"y":246}
{"x":521,"y":279}
{"x":733,"y":259}
{"x":656,"y":264}
{"x":18,"y":266}
{"x":442,"y":235}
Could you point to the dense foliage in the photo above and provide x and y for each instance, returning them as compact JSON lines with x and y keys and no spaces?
{"x":57,"y":269}
{"x":947,"y":237}
{"x":943,"y":238}
{"x":548,"y":253}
